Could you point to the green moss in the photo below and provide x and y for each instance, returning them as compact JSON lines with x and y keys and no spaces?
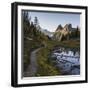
{"x":45,"y":65}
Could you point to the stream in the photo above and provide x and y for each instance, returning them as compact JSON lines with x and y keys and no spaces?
{"x":67,"y":60}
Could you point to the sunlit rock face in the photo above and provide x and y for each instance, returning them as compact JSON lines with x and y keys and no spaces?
{"x":64,"y":32}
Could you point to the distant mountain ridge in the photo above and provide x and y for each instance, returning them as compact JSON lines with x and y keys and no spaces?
{"x":61,"y":33}
{"x":45,"y":31}
{"x":48,"y":33}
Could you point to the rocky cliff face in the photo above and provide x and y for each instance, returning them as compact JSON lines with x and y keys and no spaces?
{"x":64,"y":32}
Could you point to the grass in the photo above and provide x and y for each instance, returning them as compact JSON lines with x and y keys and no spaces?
{"x":29,"y":46}
{"x":46,"y":66}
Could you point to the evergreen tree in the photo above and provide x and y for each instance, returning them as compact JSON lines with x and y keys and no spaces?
{"x":36,"y":22}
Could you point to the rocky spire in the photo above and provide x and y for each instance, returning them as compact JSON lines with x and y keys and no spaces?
{"x":68,"y":27}
{"x":59,"y":27}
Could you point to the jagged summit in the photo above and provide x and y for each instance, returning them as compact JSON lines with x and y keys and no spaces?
{"x":66,"y":32}
{"x":59,"y":27}
{"x":66,"y":27}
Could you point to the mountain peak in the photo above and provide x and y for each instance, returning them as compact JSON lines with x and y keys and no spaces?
{"x":68,"y":26}
{"x":59,"y":27}
{"x":66,"y":32}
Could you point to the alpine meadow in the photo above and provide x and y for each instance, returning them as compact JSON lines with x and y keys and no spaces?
{"x":51,"y":43}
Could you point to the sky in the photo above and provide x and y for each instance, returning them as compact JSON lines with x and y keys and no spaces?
{"x":51,"y":20}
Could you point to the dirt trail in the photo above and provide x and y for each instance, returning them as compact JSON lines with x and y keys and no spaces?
{"x":32,"y":68}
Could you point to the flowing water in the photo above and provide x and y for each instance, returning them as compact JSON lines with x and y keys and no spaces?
{"x":67,"y":60}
